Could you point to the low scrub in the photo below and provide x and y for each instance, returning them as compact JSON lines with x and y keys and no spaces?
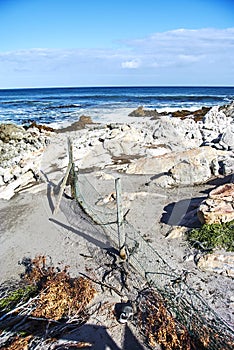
{"x":211,"y":236}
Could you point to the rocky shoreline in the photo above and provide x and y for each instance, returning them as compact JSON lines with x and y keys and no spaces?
{"x":181,"y":151}
{"x":176,"y":157}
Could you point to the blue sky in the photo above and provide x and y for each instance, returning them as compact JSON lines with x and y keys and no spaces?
{"x":116,"y":43}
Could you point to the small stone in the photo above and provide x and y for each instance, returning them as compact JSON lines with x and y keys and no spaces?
{"x":176,"y":232}
{"x":218,"y":262}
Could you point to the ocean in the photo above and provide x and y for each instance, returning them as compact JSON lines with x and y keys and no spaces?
{"x":62,"y":106}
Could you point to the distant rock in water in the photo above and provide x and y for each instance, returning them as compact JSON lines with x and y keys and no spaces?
{"x":197,"y":115}
{"x":182,"y":114}
{"x":141,"y":112}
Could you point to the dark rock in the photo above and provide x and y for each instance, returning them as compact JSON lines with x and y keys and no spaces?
{"x":39,"y":127}
{"x":80,"y":124}
{"x":141,"y":112}
{"x":200,"y":113}
{"x":228,"y":109}
{"x":182,"y":114}
{"x":197,"y":115}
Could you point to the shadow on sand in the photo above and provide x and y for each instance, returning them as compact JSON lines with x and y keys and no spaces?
{"x":182,"y":213}
{"x":100,"y":339}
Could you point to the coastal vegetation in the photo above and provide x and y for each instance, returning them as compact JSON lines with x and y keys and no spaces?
{"x":211,"y":236}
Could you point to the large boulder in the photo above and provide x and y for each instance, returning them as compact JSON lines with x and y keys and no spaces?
{"x":219,"y":206}
{"x":227,"y":139}
{"x":226,"y":162}
{"x":188,"y":167}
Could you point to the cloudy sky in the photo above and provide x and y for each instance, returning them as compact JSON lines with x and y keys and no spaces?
{"x":116,"y":43}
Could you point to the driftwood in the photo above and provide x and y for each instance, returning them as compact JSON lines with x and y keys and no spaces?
{"x":63,"y":185}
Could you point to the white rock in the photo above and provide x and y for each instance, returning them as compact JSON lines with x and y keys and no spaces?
{"x":227,"y":139}
{"x":7,"y":176}
{"x":214,"y":124}
{"x":7,"y":192}
{"x":176,"y":232}
{"x":176,"y":133}
{"x":222,"y":263}
{"x":104,"y":176}
{"x":202,"y":157}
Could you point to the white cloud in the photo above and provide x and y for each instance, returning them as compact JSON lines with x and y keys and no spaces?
{"x":180,"y":56}
{"x":133,"y":64}
{"x":191,"y":58}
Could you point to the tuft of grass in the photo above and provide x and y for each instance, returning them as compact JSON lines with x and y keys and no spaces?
{"x":211,"y":236}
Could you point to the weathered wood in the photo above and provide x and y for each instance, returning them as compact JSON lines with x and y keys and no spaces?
{"x":70,"y":149}
{"x":72,"y":172}
{"x":120,"y":219}
{"x":76,"y":185}
{"x":63,"y":185}
{"x":69,"y":175}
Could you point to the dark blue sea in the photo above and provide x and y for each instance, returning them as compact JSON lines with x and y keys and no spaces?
{"x":57,"y":106}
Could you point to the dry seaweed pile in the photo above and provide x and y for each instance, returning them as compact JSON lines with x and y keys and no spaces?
{"x":47,"y":303}
{"x":158,"y":325}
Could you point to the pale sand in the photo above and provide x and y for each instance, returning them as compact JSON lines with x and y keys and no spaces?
{"x":29,"y":228}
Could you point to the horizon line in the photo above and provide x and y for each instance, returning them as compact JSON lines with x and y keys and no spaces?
{"x":117,"y":86}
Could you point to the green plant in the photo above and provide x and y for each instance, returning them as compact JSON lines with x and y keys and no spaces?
{"x":13,"y":298}
{"x":211,"y":236}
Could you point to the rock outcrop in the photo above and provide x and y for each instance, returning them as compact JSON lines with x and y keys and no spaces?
{"x":219,"y":206}
{"x":207,"y":126}
{"x":176,"y":151}
{"x":182,"y":114}
{"x":20,"y":156}
{"x":217,"y":129}
{"x":228,"y":109}
{"x":177,"y":134}
{"x":132,"y":147}
{"x":80,"y":124}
